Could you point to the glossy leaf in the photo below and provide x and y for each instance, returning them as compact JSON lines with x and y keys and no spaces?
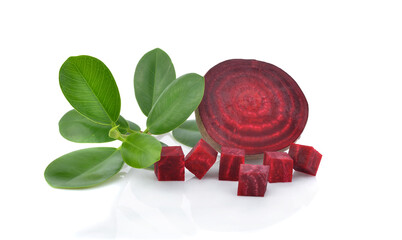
{"x":76,"y":128}
{"x":126,"y":126}
{"x":90,"y":88}
{"x":123,"y":124}
{"x":141,"y":150}
{"x":187,"y":133}
{"x":152,"y":166}
{"x":176,"y":103}
{"x":154,"y":72}
{"x":133,"y":126}
{"x":84,"y":168}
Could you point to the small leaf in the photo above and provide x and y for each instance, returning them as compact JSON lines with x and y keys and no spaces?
{"x":141,"y":150}
{"x":84,"y":168}
{"x":90,"y":88}
{"x":152,"y":167}
{"x":115,"y":133}
{"x":154,"y":72}
{"x":187,"y":133}
{"x":76,"y":128}
{"x":133,"y":126}
{"x":176,"y":103}
{"x":123,"y":124}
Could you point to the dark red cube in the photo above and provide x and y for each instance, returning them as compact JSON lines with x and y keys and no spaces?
{"x":280,"y":166}
{"x":229,"y":165}
{"x":171,"y":165}
{"x":200,"y":159}
{"x":252,"y":180}
{"x":305,"y":158}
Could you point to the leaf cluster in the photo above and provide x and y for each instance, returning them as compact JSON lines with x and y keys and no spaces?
{"x":91,"y":89}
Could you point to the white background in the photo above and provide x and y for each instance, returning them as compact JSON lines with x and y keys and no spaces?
{"x":345,"y":55}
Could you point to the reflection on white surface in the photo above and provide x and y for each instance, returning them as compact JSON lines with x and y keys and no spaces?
{"x":146,"y":208}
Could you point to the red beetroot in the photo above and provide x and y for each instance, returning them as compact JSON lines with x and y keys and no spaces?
{"x":251,"y":105}
{"x":252,"y":180}
{"x":305,"y":158}
{"x":280,"y":166}
{"x":171,"y":165}
{"x":229,"y":165}
{"x":200,"y":159}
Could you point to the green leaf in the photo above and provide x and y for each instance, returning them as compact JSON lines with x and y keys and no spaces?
{"x":154,"y":72}
{"x":141,"y":150}
{"x":84,"y":168}
{"x":152,"y":166}
{"x":76,"y":128}
{"x":126,"y":126}
{"x":176,"y":103}
{"x":90,"y":88}
{"x":133,"y":126}
{"x":187,"y":133}
{"x":123,"y":124}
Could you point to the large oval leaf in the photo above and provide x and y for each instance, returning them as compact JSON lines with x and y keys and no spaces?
{"x":84,"y":168}
{"x":141,"y":150}
{"x":176,"y":103}
{"x":76,"y":128}
{"x":154,"y":72}
{"x":187,"y":133}
{"x":90,"y":88}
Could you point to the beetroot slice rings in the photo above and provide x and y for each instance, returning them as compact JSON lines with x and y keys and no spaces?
{"x":251,"y":105}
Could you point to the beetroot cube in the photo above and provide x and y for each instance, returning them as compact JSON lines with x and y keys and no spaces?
{"x":200,"y":159}
{"x":229,"y":166}
{"x":252,"y":180}
{"x":280,"y":166}
{"x":305,"y":158}
{"x":171,"y":165}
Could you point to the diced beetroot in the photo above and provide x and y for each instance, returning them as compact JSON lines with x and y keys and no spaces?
{"x":280,"y":166}
{"x":171,"y":165}
{"x":229,"y":165}
{"x":252,"y":180}
{"x":305,"y":158}
{"x":200,"y":159}
{"x":252,"y":105}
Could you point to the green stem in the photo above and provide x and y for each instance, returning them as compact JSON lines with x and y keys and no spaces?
{"x":131,"y":130}
{"x":146,"y":130}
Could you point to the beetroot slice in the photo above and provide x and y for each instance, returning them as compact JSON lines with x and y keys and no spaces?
{"x":305,"y":158}
{"x":171,"y":165}
{"x":200,"y":159}
{"x":280,"y":166}
{"x":251,"y":105}
{"x":229,"y":165}
{"x":252,"y":180}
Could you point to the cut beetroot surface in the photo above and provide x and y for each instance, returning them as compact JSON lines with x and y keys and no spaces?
{"x":251,"y":105}
{"x":229,"y":165}
{"x":280,"y":166}
{"x":200,"y":159}
{"x":252,"y":180}
{"x":305,"y":158}
{"x":171,"y":165}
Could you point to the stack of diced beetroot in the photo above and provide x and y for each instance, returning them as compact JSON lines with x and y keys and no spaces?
{"x":252,"y":179}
